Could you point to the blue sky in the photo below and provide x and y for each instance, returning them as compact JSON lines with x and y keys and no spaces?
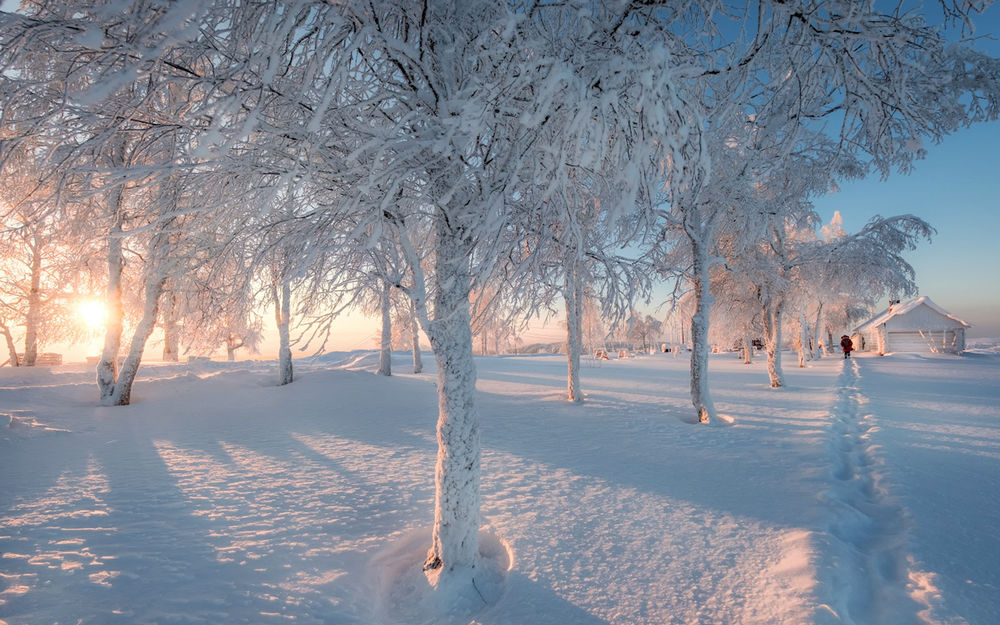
{"x":957,"y":190}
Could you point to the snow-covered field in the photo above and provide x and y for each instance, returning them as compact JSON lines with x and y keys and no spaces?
{"x":865,"y":492}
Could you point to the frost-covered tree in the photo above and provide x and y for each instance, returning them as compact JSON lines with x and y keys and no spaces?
{"x":280,"y":284}
{"x":643,"y":330}
{"x":735,"y":316}
{"x":406,"y":332}
{"x":118,"y":125}
{"x":42,"y":257}
{"x":28,"y":284}
{"x":871,"y":82}
{"x":466,"y":93}
{"x":782,"y":271}
{"x":587,"y":265}
{"x":494,"y":317}
{"x":593,"y":329}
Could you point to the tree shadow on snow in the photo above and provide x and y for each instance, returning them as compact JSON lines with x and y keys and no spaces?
{"x":644,"y":445}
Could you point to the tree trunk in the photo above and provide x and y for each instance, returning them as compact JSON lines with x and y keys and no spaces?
{"x":34,"y":316}
{"x":700,"y":397}
{"x":282,"y":318}
{"x":573,"y":294}
{"x":233,"y":343}
{"x":385,"y":353}
{"x":107,"y":368}
{"x":418,"y":365}
{"x":171,"y":329}
{"x":772,"y":328}
{"x":747,"y":351}
{"x":122,"y":393}
{"x":817,"y":331}
{"x":804,"y":348}
{"x":11,"y":348}
{"x":457,"y":473}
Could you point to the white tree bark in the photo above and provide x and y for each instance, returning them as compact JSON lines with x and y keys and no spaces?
{"x":34,"y":316}
{"x":700,"y":397}
{"x":282,"y":317}
{"x":817,"y":332}
{"x":573,"y":295}
{"x":418,"y":365}
{"x":747,"y":350}
{"x":385,"y":353}
{"x":171,"y":329}
{"x":772,"y":328}
{"x":122,"y":393}
{"x":233,"y":343}
{"x":804,"y":348}
{"x":457,"y":473}
{"x":11,"y":348}
{"x":107,"y":367}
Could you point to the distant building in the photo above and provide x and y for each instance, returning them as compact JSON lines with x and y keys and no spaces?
{"x":918,"y":325}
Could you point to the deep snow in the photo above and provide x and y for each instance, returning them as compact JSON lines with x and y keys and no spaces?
{"x":864,"y":492}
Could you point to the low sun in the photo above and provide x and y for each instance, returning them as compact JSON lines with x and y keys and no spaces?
{"x":92,"y":314}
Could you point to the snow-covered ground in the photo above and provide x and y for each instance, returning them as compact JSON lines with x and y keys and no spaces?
{"x":865,"y":492}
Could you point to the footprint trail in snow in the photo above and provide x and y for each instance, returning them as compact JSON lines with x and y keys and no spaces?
{"x":868,"y":568}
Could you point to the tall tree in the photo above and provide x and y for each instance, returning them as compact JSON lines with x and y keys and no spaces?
{"x":871,"y":82}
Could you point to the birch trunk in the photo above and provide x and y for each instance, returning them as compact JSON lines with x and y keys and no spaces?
{"x":34,"y":316}
{"x":772,"y":328}
{"x":803,"y":340}
{"x":817,"y":331}
{"x":385,"y":353}
{"x":418,"y":365}
{"x":171,"y":329}
{"x":457,"y":473}
{"x":122,"y":393}
{"x":107,"y":367}
{"x":700,"y":397}
{"x":573,"y":294}
{"x":282,"y":318}
{"x":11,"y":348}
{"x":747,"y":351}
{"x":233,"y":343}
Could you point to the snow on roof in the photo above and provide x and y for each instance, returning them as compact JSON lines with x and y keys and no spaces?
{"x":902,"y":309}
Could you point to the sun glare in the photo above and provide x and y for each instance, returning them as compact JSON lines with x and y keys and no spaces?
{"x":92,"y":314}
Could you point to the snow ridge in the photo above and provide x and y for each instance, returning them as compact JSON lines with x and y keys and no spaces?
{"x":867,"y":570}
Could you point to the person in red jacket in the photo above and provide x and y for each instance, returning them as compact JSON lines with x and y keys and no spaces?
{"x":847,"y":344}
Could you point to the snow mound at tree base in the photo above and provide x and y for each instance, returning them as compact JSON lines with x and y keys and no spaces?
{"x":720,"y":420}
{"x":405,"y":593}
